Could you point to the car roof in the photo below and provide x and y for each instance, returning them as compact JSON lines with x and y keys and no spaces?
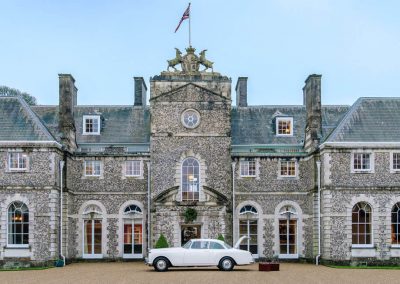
{"x":209,"y":240}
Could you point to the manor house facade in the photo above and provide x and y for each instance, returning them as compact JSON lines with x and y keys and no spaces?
{"x":307,"y":181}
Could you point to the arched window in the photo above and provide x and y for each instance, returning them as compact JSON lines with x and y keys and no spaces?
{"x":361,"y":224}
{"x":248,"y":218}
{"x":92,"y":232}
{"x":133,"y":209}
{"x":133,"y":232}
{"x":18,"y":224}
{"x":190,"y":179}
{"x":288,"y":231}
{"x":396,"y":224}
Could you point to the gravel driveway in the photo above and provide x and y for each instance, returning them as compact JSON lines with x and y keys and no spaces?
{"x":137,"y":272}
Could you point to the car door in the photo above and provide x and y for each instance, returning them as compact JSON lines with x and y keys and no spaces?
{"x":217,"y":251}
{"x":198,"y":254}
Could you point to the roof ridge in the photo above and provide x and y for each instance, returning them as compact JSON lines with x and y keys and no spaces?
{"x":344,"y":120}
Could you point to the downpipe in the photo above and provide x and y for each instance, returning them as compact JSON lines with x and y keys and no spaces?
{"x":319,"y":211}
{"x":61,"y":211}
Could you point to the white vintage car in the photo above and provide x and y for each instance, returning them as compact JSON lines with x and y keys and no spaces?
{"x":200,"y":252}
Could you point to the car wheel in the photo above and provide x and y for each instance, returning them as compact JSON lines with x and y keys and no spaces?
{"x":226,"y":264}
{"x":161,"y":264}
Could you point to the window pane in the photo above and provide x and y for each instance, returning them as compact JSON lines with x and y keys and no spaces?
{"x":190,"y":179}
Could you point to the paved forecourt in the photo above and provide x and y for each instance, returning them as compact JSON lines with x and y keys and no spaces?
{"x":137,"y":272}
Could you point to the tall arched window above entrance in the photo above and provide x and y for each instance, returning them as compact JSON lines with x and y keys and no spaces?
{"x":133,"y":232}
{"x":248,"y":226}
{"x":288,"y":232}
{"x":190,"y":179}
{"x":18,"y":224}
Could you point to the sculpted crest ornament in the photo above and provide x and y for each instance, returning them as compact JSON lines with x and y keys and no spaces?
{"x":190,"y":62}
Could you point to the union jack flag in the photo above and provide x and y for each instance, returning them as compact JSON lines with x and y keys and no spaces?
{"x":185,"y":16}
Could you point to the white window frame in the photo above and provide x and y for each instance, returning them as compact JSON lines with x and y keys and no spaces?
{"x":283,"y":215}
{"x":93,"y":175}
{"x":392,"y":169}
{"x":85,"y":117}
{"x":371,"y":162}
{"x":287,"y":119}
{"x":92,"y":255}
{"x":24,"y":156}
{"x":195,"y":182}
{"x":367,"y":246}
{"x":296,"y":169}
{"x":243,"y":162}
{"x":133,"y":162}
{"x":8,"y":232}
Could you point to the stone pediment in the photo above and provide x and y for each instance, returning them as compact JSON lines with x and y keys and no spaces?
{"x":190,"y":93}
{"x":171,"y":197}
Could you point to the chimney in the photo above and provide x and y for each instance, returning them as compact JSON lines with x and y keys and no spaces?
{"x":312,"y":102}
{"x":241,"y":92}
{"x":140,"y":91}
{"x":68,"y":100}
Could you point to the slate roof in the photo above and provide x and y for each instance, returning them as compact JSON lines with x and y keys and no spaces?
{"x":256,"y":125}
{"x":119,"y":124}
{"x":370,"y":120}
{"x":19,"y":123}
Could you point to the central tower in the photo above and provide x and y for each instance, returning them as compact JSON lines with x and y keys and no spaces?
{"x":190,"y":151}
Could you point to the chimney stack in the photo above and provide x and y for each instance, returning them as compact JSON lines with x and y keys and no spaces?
{"x":312,"y":102}
{"x":67,"y":102}
{"x":140,"y":91}
{"x":241,"y":92}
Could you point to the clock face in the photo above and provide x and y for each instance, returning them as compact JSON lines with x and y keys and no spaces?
{"x":190,"y":118}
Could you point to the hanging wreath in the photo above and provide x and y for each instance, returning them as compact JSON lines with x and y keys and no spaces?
{"x":190,"y":215}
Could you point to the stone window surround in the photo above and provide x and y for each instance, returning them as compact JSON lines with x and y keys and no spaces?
{"x":183,"y":118}
{"x":284,"y":118}
{"x":300,"y":231}
{"x":93,"y":176}
{"x":372,"y":235}
{"x":394,"y":248}
{"x":260,"y":223}
{"x":257,"y":161}
{"x":16,"y":250}
{"x":84,"y":132}
{"x":8,"y":223}
{"x":242,"y":162}
{"x":361,"y":250}
{"x":124,"y":164}
{"x":202,"y":174}
{"x":296,"y":176}
{"x":371,"y":161}
{"x":104,"y":231}
{"x":392,"y":170}
{"x":120,"y":230}
{"x":8,"y":163}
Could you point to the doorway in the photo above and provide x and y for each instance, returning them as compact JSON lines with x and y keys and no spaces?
{"x":189,"y":232}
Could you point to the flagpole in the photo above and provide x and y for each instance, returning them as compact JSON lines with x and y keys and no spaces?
{"x":190,"y":15}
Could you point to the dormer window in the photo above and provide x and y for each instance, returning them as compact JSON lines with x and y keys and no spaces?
{"x":284,"y":126}
{"x":91,"y":124}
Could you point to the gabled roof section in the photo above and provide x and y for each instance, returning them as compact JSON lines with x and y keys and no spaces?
{"x":119,"y":124}
{"x":186,"y":93}
{"x":254,"y":125}
{"x":370,"y":120}
{"x":19,"y":123}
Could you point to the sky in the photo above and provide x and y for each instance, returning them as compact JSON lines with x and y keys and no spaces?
{"x":355,"y":45}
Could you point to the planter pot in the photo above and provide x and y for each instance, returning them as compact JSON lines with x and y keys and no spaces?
{"x":268,"y":266}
